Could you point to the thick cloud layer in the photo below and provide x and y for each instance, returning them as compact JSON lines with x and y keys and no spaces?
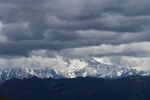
{"x":75,"y":28}
{"x":27,"y":25}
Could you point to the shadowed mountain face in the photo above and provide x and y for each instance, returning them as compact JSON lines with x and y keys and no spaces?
{"x":129,"y":88}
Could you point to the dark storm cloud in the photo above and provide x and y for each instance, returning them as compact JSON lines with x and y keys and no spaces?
{"x":23,"y":47}
{"x":60,"y":24}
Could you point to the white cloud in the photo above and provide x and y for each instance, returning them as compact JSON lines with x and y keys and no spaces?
{"x":140,"y":63}
{"x":131,"y":49}
{"x":136,"y":55}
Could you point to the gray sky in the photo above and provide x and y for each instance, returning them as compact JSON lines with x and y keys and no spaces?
{"x":75,"y":28}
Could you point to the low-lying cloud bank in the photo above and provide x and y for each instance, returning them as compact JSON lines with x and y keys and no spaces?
{"x":59,"y":63}
{"x":135,"y":55}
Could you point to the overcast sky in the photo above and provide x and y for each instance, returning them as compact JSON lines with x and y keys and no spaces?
{"x":75,"y":28}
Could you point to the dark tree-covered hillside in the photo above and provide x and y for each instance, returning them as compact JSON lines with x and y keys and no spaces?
{"x":5,"y":98}
{"x":129,"y":88}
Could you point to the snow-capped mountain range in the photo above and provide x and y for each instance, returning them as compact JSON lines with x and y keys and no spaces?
{"x":61,"y":67}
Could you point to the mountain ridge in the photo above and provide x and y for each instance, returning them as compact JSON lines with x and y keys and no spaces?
{"x":70,"y":68}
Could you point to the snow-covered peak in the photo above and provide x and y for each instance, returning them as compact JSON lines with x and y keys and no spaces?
{"x":61,"y":67}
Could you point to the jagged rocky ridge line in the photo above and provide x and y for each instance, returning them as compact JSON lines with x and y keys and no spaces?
{"x":70,"y":68}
